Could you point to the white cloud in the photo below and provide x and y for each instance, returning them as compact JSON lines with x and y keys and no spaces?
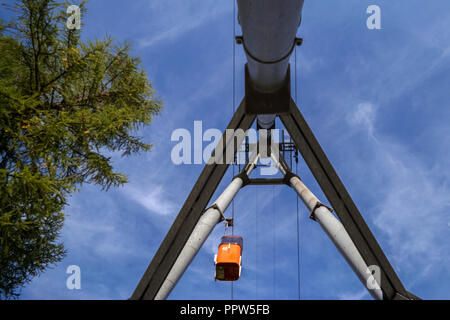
{"x":170,"y":34}
{"x":154,"y":198}
{"x":411,"y":202}
{"x":413,"y":208}
{"x":169,"y":20}
{"x":363,"y":116}
{"x":95,"y":227}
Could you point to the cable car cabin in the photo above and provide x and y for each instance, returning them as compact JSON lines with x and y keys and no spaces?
{"x":228,"y":260}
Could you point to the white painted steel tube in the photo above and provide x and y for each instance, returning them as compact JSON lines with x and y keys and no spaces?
{"x":336,"y":232}
{"x":339,"y":236}
{"x":269,"y":28}
{"x":202,"y":230}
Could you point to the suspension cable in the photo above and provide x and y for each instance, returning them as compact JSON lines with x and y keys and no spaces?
{"x":256,"y":243}
{"x":296,"y":172}
{"x":273,"y":242}
{"x":234,"y":101}
{"x":298,"y":237}
{"x":234,"y":93}
{"x":295,"y":74}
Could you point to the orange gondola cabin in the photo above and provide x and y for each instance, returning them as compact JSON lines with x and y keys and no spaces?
{"x":228,"y":259}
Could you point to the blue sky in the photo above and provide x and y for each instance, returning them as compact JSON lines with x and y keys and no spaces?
{"x":378,"y":102}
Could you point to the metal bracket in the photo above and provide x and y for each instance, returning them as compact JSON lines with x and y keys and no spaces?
{"x":215,"y":206}
{"x":297,"y":42}
{"x":229,"y":222}
{"x":317,"y":206}
{"x":288,"y":176}
{"x":244,"y":177}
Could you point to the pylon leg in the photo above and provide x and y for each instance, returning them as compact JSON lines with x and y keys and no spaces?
{"x":342,"y":203}
{"x":190,"y":213}
{"x":210,"y":218}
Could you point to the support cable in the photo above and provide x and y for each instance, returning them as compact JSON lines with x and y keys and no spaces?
{"x":234,"y":101}
{"x":256,"y":244}
{"x":296,"y":172}
{"x":298,"y":234}
{"x":273,"y":242}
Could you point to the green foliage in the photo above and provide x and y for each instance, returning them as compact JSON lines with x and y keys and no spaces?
{"x":63,"y":104}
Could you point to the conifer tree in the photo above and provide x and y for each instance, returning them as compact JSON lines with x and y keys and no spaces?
{"x":64,"y":104}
